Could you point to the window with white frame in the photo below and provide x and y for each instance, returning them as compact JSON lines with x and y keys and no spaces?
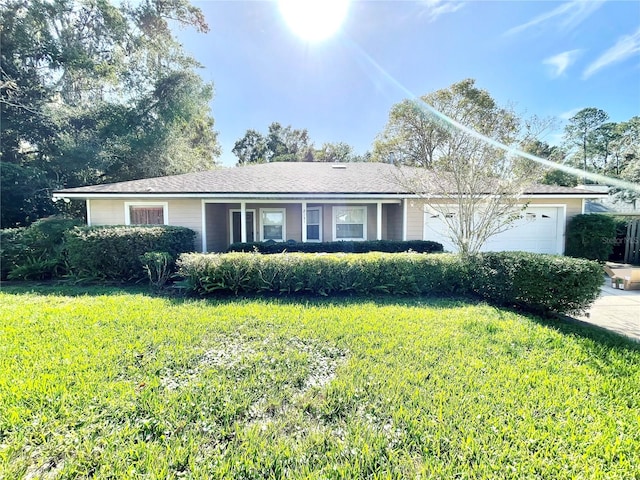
{"x":314,"y":224}
{"x":349,"y":223}
{"x":138,"y":213}
{"x":273,"y":224}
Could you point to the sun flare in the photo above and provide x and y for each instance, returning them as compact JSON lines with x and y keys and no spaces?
{"x":314,"y":20}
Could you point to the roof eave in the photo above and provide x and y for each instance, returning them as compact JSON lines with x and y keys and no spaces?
{"x":249,"y":196}
{"x":107,"y":195}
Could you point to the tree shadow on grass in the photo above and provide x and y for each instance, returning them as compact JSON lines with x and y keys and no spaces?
{"x":177,"y":295}
{"x":565,"y":325}
{"x":71,"y":289}
{"x":570,"y":326}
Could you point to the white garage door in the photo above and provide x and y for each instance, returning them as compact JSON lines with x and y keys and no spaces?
{"x":538,"y":230}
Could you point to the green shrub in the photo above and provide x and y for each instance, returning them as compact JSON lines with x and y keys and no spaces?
{"x":12,"y":249}
{"x":113,"y":252}
{"x":534,"y":282}
{"x":591,"y":236}
{"x":35,"y":252}
{"x":389,"y":246}
{"x":158,"y":267}
{"x":324,"y":274}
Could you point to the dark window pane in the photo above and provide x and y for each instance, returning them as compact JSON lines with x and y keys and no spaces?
{"x":313,"y":232}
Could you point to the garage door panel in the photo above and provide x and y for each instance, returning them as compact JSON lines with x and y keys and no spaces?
{"x":537,"y":230}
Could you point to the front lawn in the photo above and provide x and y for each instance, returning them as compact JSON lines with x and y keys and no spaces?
{"x":117,"y":384}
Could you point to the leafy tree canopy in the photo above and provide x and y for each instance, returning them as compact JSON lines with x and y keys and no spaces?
{"x":482,"y":185}
{"x":94,"y":92}
{"x":608,"y":148}
{"x":286,"y":144}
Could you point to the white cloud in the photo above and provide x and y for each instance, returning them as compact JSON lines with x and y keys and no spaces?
{"x":569,"y":113}
{"x":435,"y":8}
{"x":569,"y":15}
{"x":626,"y":47}
{"x":560,"y":62}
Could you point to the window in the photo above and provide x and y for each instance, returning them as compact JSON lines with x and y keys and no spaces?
{"x":349,"y":223}
{"x":272,"y":224}
{"x":314,"y":224}
{"x":145,"y":213}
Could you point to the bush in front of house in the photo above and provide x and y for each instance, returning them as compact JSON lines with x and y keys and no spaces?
{"x":158,"y":266}
{"x":388,"y":246}
{"x":12,"y":249}
{"x":591,"y":236}
{"x":114,"y":252}
{"x":535,"y":282}
{"x":324,"y":274}
{"x":35,"y":252}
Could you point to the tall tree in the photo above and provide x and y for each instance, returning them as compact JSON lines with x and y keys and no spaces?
{"x":626,"y":157}
{"x":551,"y":176}
{"x":252,"y":148}
{"x":281,"y":144}
{"x":334,"y":152}
{"x":625,"y":148}
{"x":93,"y":92}
{"x":286,"y":144}
{"x":579,"y":133}
{"x":479,"y":187}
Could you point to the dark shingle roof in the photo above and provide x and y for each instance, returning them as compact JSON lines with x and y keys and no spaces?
{"x":280,"y":178}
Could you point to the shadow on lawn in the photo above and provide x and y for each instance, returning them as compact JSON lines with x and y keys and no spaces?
{"x":562,"y":324}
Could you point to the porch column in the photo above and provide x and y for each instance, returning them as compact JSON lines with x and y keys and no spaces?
{"x":379,"y":221}
{"x":203,"y":207}
{"x":304,"y":222}
{"x":88,"y":202}
{"x":243,"y":222}
{"x":404,"y":219}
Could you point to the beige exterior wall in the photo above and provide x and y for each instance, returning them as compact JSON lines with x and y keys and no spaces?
{"x":415,"y":219}
{"x":182,"y":213}
{"x":107,"y":212}
{"x":187,"y":213}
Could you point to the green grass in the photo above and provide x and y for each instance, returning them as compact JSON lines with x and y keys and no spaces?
{"x":116,"y":384}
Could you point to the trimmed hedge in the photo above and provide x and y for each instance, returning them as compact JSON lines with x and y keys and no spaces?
{"x":323,"y":274}
{"x":389,"y":246}
{"x":535,"y":282}
{"x":113,"y":252}
{"x":591,"y":236}
{"x":538,"y":283}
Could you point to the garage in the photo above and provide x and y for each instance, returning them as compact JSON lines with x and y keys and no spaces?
{"x":540,"y":229}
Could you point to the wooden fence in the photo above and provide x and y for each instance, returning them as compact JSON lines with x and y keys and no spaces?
{"x":632,"y":243}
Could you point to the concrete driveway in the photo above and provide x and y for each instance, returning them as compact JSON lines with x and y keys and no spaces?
{"x":616,"y":310}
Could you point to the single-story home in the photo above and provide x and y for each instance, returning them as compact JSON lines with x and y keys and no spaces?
{"x":312,"y":202}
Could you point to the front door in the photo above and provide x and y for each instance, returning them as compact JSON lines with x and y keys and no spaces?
{"x":236,"y":235}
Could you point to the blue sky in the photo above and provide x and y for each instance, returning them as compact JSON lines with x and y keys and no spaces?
{"x":543,"y":57}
